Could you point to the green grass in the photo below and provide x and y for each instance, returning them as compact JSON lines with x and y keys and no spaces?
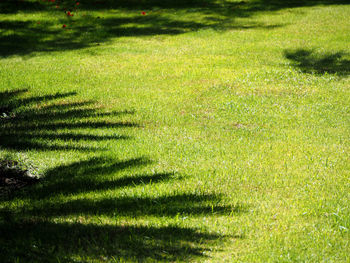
{"x":204,"y":131}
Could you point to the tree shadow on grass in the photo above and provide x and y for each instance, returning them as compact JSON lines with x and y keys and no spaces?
{"x":13,"y":6}
{"x":125,"y":20}
{"x":39,"y":241}
{"x":62,"y":219}
{"x":311,"y":62}
{"x":275,"y":5}
{"x":95,"y":174}
{"x":50,"y":122}
{"x":34,"y":234}
{"x":30,"y":36}
{"x":169,"y":206}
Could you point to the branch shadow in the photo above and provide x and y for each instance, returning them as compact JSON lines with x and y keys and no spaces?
{"x":50,"y":122}
{"x":28,"y":37}
{"x":311,"y":62}
{"x":25,"y":38}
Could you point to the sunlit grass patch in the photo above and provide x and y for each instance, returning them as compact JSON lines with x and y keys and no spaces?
{"x":196,"y":131}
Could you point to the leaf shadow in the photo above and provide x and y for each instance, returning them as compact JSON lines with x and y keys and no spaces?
{"x":81,"y":177}
{"x":55,"y":122}
{"x":33,"y":233}
{"x":309,"y":61}
{"x":29,"y":37}
{"x":41,"y":241}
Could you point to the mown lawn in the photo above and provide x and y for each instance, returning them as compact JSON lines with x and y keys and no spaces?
{"x":202,"y":131}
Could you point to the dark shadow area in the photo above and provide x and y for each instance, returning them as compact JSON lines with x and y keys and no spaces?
{"x":181,"y":204}
{"x":29,"y":234}
{"x":13,"y":177}
{"x":91,"y":175}
{"x":275,"y":5}
{"x":96,"y":174}
{"x":49,"y":122}
{"x":311,"y":62}
{"x":39,"y":241}
{"x":13,"y":6}
{"x":81,"y":192}
{"x":27,"y":37}
{"x":86,"y":29}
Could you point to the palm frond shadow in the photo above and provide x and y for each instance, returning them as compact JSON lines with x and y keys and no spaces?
{"x":41,"y":241}
{"x":33,"y":234}
{"x":99,"y":174}
{"x":95,"y":174}
{"x":178,"y":204}
{"x":49,"y":122}
{"x":32,"y":229}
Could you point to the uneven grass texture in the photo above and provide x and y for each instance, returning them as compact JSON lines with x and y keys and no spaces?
{"x":202,"y":131}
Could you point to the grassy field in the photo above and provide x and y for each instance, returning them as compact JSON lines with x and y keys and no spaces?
{"x":202,"y":131}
